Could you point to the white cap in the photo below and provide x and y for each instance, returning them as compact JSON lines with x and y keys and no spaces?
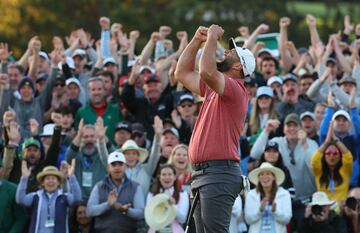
{"x":246,"y":57}
{"x":69,"y":62}
{"x":308,"y":114}
{"x":48,"y":130}
{"x":172,"y":130}
{"x":341,"y":113}
{"x":131,"y":63}
{"x":72,"y":80}
{"x":116,"y":156}
{"x":79,"y":52}
{"x":44,"y":55}
{"x":264,"y":91}
{"x":152,"y":70}
{"x":274,"y":79}
{"x":109,"y":60}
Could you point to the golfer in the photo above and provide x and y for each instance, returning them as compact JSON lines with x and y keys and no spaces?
{"x":213,"y":149}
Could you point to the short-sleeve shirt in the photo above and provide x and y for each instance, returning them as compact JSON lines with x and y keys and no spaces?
{"x":220,"y":122}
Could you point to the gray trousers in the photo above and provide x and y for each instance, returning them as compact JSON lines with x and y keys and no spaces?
{"x":218,"y":188}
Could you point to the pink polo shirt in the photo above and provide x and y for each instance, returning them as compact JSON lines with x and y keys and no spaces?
{"x":220,"y":122}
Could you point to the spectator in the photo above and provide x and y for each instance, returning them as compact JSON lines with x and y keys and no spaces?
{"x":90,"y":166}
{"x":49,"y":206}
{"x":79,"y":222}
{"x":350,"y":210}
{"x":179,"y":158}
{"x":122,"y":133}
{"x":13,"y":217}
{"x":139,"y":135}
{"x":309,"y":123}
{"x":320,"y":218}
{"x":269,"y":67}
{"x":166,"y":182}
{"x":187,"y":108}
{"x":332,"y":167}
{"x":268,"y":207}
{"x":116,"y":202}
{"x":97,"y":106}
{"x":275,"y":83}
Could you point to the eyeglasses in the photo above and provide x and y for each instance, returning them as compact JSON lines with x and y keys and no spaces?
{"x":292,"y":159}
{"x":332,"y":152}
{"x":186,"y":105}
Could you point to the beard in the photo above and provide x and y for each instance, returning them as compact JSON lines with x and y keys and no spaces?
{"x":226,"y":64}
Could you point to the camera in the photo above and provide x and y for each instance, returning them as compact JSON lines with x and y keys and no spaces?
{"x":351,"y":203}
{"x":316,"y":209}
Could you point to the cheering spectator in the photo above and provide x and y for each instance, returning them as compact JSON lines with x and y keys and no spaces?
{"x":309,"y":124}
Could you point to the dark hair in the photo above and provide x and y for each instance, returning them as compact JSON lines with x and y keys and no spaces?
{"x":67,"y":110}
{"x":73,"y":223}
{"x":106,"y":73}
{"x":273,"y":191}
{"x":270,"y":58}
{"x":279,"y":163}
{"x":18,"y":67}
{"x":326,"y":173}
{"x":157,"y":185}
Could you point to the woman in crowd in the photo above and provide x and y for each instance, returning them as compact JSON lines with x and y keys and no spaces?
{"x":166,"y":182}
{"x":179,"y":158}
{"x":273,"y":156}
{"x":80,"y":222}
{"x":49,"y":205}
{"x":268,"y":206}
{"x":332,"y":166}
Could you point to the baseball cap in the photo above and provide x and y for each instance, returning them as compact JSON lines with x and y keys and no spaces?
{"x":31,"y":142}
{"x":186,"y":96}
{"x":138,"y":128}
{"x":290,"y":77}
{"x":44,"y":55}
{"x":172,"y":130}
{"x":116,"y":156}
{"x":149,"y":68}
{"x":271,"y":145}
{"x":69,"y":62}
{"x":292,"y":117}
{"x":307,"y":114}
{"x":109,"y":60}
{"x":331,"y":60}
{"x":79,"y":52}
{"x":274,"y":79}
{"x":246,"y":57}
{"x":26,"y":81}
{"x":151,"y":78}
{"x":72,"y":80}
{"x":125,"y":126}
{"x":264,"y":50}
{"x":347,"y":79}
{"x":250,"y":81}
{"x":341,"y":113}
{"x":42,"y":76}
{"x":264,"y":91}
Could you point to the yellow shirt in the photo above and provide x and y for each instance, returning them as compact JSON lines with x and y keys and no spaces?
{"x":340,"y":191}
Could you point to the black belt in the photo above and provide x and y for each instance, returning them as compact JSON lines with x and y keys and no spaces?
{"x":214,"y":163}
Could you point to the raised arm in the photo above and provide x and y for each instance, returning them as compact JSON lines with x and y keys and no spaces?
{"x":149,"y":47}
{"x":185,"y":69}
{"x":314,"y":35}
{"x":284,"y":53}
{"x":250,"y":41}
{"x":208,"y":69}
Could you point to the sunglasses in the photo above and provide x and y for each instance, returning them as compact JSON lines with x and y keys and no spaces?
{"x":332,"y":152}
{"x":186,"y":105}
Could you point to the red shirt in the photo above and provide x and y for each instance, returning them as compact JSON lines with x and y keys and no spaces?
{"x":220,"y":122}
{"x":100,"y":111}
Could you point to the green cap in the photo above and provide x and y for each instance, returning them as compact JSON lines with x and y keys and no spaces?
{"x":31,"y":142}
{"x":292,"y":117}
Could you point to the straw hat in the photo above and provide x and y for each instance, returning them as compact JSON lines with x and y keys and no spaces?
{"x":49,"y":171}
{"x":131,"y":145}
{"x":320,"y":198}
{"x":158,"y":212}
{"x":279,"y":174}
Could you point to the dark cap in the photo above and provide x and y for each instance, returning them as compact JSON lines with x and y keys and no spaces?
{"x":331,"y":60}
{"x":26,"y":81}
{"x":290,"y":77}
{"x":272,"y":145}
{"x":138,"y":128}
{"x":250,"y":81}
{"x":172,"y":130}
{"x":42,"y":76}
{"x":125,"y":126}
{"x":186,"y":96}
{"x":292,"y":117}
{"x":151,"y":78}
{"x":169,"y":121}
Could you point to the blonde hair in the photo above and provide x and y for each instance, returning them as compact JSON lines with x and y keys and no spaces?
{"x":173,"y":152}
{"x":255,"y":115}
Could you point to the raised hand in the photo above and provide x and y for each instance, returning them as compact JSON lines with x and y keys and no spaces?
{"x":134,"y":35}
{"x":100,"y":129}
{"x":262,"y":28}
{"x":56,"y":118}
{"x":271,"y":125}
{"x":216,"y":31}
{"x":182,"y":35}
{"x":4,"y":52}
{"x":8,"y":117}
{"x":71,"y":168}
{"x":284,"y":22}
{"x":104,"y":23}
{"x":302,"y":137}
{"x":330,"y":134}
{"x":4,"y":80}
{"x":34,"y":126}
{"x":310,"y":20}
{"x":201,"y":34}
{"x":155,"y":36}
{"x":123,"y":40}
{"x":330,"y":100}
{"x":352,"y":103}
{"x":25,"y":171}
{"x":176,"y":118}
{"x":158,"y":126}
{"x":58,"y":43}
{"x":347,"y":24}
{"x":13,"y":131}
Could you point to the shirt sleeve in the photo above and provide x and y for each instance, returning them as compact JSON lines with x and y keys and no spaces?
{"x":137,"y":211}
{"x":21,"y":197}
{"x":94,"y":208}
{"x":75,"y":194}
